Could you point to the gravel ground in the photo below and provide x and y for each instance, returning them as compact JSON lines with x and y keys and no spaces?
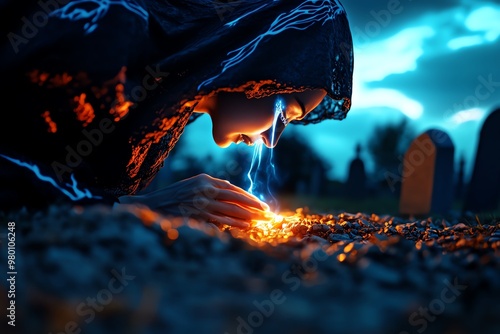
{"x":131,"y":270}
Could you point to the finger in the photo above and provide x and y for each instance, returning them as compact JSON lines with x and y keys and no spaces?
{"x":226,"y":220}
{"x":233,"y":193}
{"x":232,"y":210}
{"x":248,"y":213}
{"x":224,"y":184}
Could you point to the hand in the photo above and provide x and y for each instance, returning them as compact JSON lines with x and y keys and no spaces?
{"x":206,"y":198}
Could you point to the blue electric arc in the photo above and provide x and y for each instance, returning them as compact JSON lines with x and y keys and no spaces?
{"x":259,"y":188}
{"x":94,"y":10}
{"x":70,"y":190}
{"x":302,"y":17}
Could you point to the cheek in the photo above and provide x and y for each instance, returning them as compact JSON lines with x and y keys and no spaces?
{"x":250,"y":124}
{"x":219,"y":132}
{"x":242,"y":124}
{"x":249,"y":118}
{"x":221,"y":137}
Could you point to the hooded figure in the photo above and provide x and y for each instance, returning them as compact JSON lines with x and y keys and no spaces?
{"x":102,"y":90}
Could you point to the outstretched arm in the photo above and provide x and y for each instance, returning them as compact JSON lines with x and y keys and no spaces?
{"x":206,"y":198}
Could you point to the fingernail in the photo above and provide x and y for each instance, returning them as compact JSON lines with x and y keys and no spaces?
{"x":265,"y":206}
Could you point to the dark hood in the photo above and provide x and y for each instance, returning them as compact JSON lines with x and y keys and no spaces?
{"x":261,"y":48}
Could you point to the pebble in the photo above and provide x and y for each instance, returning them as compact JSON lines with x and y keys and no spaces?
{"x":366,"y":260}
{"x":320,"y":228}
{"x":339,"y":237}
{"x":460,"y":226}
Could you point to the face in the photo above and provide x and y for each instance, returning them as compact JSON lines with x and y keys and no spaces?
{"x":236,"y":118}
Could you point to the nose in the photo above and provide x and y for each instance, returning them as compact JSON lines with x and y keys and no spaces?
{"x":271,"y":137}
{"x":267,"y":140}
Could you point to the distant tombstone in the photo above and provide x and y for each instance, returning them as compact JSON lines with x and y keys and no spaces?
{"x":316,"y":182}
{"x":483,"y":192}
{"x":460,"y":183}
{"x":427,"y":185}
{"x":355,"y":187}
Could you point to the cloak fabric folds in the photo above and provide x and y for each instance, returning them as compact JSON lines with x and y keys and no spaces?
{"x":264,"y":48}
{"x":103,"y":90}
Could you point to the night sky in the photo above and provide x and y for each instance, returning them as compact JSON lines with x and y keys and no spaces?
{"x":435,"y":62}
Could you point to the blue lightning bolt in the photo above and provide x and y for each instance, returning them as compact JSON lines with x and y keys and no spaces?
{"x":256,"y":187}
{"x":75,"y":196}
{"x":234,"y":22}
{"x":78,"y":10}
{"x":256,"y":161}
{"x":302,"y":17}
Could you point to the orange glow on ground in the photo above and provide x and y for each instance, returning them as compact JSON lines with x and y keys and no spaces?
{"x":341,"y":257}
{"x":173,"y":234}
{"x":345,"y":237}
{"x":281,"y":228}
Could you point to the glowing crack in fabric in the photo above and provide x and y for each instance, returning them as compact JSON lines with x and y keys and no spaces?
{"x":94,"y":10}
{"x":257,"y":187}
{"x":234,"y":22}
{"x":302,"y":17}
{"x":75,"y":196}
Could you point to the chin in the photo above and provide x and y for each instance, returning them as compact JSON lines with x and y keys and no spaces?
{"x":223,"y":143}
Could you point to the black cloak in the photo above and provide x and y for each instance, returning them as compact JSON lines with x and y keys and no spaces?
{"x":102,"y":90}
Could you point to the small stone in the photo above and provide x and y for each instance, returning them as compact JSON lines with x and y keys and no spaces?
{"x":382,"y":273}
{"x":338,"y":228}
{"x":450,"y":238}
{"x":432,"y":235}
{"x":460,"y":226}
{"x":339,"y":237}
{"x":315,"y":238}
{"x":345,"y":224}
{"x":320,"y":228}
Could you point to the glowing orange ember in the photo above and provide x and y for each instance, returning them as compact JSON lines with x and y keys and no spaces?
{"x":280,"y":228}
{"x":173,"y":234}
{"x":52,"y":125}
{"x":348,"y":238}
{"x":121,"y":106}
{"x":38,"y":77}
{"x":84,"y":111}
{"x":46,"y":79}
{"x":60,"y":80}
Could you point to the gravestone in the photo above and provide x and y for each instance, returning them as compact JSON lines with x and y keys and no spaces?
{"x":483,"y":192}
{"x":460,"y":183}
{"x":427,"y":184}
{"x":355,"y":186}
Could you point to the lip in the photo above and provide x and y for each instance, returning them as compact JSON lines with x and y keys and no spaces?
{"x":244,"y":138}
{"x":238,"y":140}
